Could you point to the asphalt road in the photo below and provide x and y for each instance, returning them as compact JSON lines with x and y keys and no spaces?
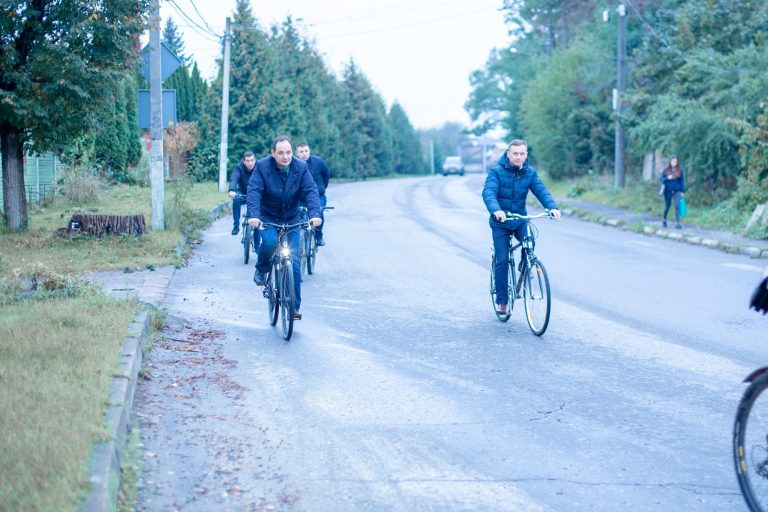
{"x":401,"y":391}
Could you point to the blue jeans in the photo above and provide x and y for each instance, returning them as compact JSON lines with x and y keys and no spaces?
{"x":269,"y":240}
{"x":236,"y":204}
{"x":501,"y":242}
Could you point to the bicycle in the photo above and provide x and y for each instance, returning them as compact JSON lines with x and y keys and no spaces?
{"x":532,"y":285}
{"x":309,"y":245}
{"x":279,"y":289}
{"x":750,"y":428}
{"x":247,"y":238}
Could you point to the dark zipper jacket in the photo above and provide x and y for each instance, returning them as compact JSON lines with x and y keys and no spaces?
{"x":274,"y":195}
{"x":239,"y":178}
{"x":320,"y":172}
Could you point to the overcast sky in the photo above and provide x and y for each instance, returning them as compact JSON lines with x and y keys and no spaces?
{"x":418,"y":52}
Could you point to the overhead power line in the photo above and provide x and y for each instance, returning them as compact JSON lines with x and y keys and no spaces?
{"x":203,"y":31}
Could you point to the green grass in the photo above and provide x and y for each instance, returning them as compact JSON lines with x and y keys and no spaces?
{"x":57,"y":357}
{"x":41,"y":247}
{"x":58,"y":347}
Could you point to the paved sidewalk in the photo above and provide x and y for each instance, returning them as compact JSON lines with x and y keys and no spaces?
{"x":148,"y":286}
{"x":650,"y":224}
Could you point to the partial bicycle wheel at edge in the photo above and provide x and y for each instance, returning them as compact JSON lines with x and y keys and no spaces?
{"x":536,"y":297}
{"x":247,"y":238}
{"x":270,"y":290}
{"x":311,"y":253}
{"x":750,"y":445}
{"x":287,"y":300}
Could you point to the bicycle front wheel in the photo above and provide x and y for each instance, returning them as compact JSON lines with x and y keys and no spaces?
{"x":311,"y":252}
{"x":750,"y":445}
{"x":247,"y":240}
{"x":271,"y":292}
{"x":536,"y":297}
{"x":287,"y":300}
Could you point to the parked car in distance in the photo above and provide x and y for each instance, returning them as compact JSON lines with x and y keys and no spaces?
{"x":453,"y":165}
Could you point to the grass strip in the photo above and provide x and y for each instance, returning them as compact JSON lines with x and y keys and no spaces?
{"x":41,"y":246}
{"x":57,"y":357}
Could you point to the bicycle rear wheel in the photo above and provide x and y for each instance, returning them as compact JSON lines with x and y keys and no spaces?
{"x":510,"y":292}
{"x":271,"y":293}
{"x":750,"y":445}
{"x":287,"y":300}
{"x":247,"y":240}
{"x":536,"y":297}
{"x":311,"y":252}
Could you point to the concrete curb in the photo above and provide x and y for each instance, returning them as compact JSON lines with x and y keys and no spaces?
{"x":106,"y":457}
{"x":752,"y":251}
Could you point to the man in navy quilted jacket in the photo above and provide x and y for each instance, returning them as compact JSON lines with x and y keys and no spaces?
{"x":506,"y":189}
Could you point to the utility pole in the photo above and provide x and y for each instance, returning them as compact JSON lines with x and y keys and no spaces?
{"x":157,"y":174}
{"x":224,"y":111}
{"x":621,"y":85}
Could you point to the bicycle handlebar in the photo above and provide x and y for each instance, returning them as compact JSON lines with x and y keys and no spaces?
{"x":517,"y":216}
{"x":286,"y":226}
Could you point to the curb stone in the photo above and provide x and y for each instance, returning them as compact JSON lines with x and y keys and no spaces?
{"x":733,"y":248}
{"x":106,"y":457}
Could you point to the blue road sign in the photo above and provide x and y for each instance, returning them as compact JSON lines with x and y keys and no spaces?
{"x":169,"y":62}
{"x":169,"y":108}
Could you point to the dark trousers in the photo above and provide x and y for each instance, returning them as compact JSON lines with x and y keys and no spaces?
{"x":670,"y":196}
{"x":236,"y":204}
{"x":269,"y":240}
{"x":501,"y":233}
{"x":319,"y":229}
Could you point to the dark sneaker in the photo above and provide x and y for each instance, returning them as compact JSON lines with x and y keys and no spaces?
{"x":663,"y":223}
{"x":259,"y":278}
{"x":296,"y":314}
{"x":235,"y":230}
{"x":501,"y":309}
{"x":320,"y":242}
{"x":678,"y":226}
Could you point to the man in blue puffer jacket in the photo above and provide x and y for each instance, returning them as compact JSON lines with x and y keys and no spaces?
{"x":506,"y":189}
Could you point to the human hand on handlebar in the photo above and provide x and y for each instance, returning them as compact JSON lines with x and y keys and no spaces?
{"x":555,"y":213}
{"x":500,"y":215}
{"x":315,"y":221}
{"x":254,"y":222}
{"x":232,"y":193}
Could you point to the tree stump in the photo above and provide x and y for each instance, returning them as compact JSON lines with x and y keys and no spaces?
{"x":100,"y":225}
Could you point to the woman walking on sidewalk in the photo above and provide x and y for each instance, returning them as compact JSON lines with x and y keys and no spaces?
{"x":673,"y":183}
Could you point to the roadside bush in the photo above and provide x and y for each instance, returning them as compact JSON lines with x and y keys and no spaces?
{"x":180,"y":215}
{"x":81,"y":185}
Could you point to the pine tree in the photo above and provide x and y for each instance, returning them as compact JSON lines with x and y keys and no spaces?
{"x":406,"y":147}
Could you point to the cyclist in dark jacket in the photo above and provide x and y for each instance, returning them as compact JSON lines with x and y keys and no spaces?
{"x":277,"y":185}
{"x":322,"y":175}
{"x":239,"y":181}
{"x":506,"y":189}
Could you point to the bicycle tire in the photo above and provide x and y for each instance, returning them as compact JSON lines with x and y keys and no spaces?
{"x":536,"y":297}
{"x":510,"y":292}
{"x":247,"y":237}
{"x":312,"y":253}
{"x":304,"y":245}
{"x":271,"y":291}
{"x":750,"y":445}
{"x":287,"y":300}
